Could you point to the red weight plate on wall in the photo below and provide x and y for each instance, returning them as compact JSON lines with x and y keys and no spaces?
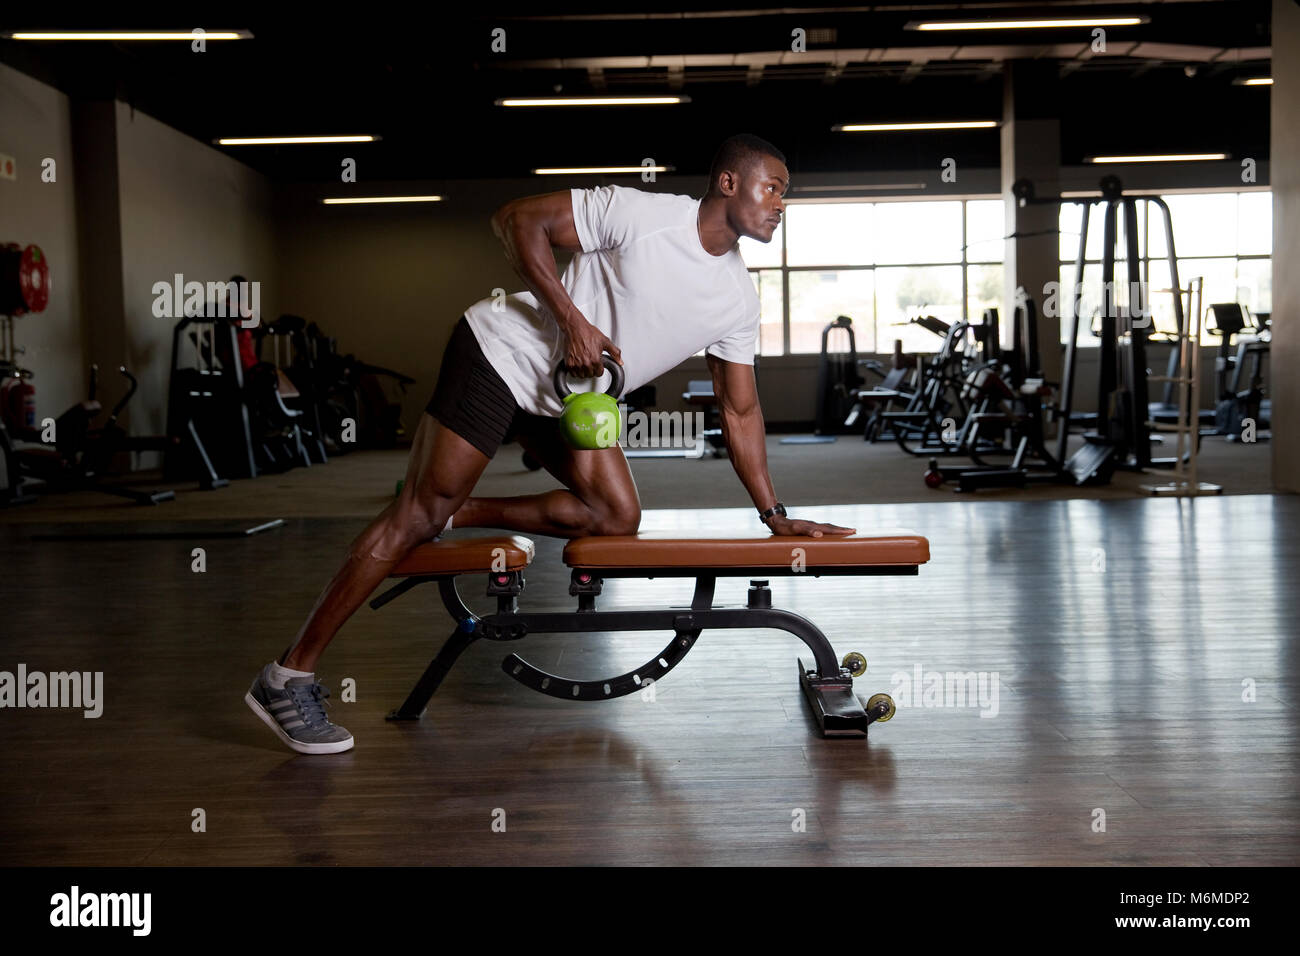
{"x":34,"y":279}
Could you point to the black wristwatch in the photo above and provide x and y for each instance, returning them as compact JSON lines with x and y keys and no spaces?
{"x":777,"y":509}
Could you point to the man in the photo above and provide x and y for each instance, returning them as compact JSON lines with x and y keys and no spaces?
{"x":654,"y":279}
{"x":238,"y":313}
{"x":235,"y":313}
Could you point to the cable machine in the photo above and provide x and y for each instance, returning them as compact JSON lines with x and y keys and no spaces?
{"x":1121,"y":437}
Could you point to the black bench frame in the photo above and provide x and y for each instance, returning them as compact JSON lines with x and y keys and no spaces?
{"x":827,"y":685}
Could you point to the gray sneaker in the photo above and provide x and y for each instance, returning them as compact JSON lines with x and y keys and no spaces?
{"x":297,"y":714}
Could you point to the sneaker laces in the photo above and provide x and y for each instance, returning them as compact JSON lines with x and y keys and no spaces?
{"x":310,"y":701}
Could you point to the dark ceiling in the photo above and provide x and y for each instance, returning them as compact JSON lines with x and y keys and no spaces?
{"x":427,"y":82}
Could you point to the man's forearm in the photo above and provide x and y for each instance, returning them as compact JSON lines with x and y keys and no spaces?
{"x":529,"y":252}
{"x":746,"y":440}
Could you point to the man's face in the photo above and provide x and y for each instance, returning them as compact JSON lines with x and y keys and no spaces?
{"x":758,"y":204}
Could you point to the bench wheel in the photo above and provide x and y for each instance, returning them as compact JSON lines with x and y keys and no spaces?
{"x":878,"y":700}
{"x":855,"y":663}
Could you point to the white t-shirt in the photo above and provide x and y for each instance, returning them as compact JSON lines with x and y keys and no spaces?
{"x":644,"y":280}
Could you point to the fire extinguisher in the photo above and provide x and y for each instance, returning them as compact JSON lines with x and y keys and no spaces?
{"x":18,"y":402}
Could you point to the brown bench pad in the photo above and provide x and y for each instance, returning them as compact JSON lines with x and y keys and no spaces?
{"x":663,"y":550}
{"x":466,"y":556}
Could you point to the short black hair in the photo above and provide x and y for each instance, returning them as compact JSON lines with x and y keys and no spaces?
{"x":738,"y":152}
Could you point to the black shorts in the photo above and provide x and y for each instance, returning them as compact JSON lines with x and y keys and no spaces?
{"x":472,"y":399}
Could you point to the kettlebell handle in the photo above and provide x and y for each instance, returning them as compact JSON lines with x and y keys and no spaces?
{"x":615,"y":371}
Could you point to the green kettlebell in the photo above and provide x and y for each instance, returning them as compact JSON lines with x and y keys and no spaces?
{"x":591,"y":419}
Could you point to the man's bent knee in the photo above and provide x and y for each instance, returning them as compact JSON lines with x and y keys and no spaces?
{"x":406,"y":526}
{"x":620,"y":520}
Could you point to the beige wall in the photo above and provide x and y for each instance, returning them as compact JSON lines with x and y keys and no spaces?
{"x":35,"y":123}
{"x":185,"y":208}
{"x":390,"y":281}
{"x":152,"y":202}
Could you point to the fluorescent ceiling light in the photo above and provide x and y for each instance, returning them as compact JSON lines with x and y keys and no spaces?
{"x":294,"y":140}
{"x":1254,"y":81}
{"x":357,"y":200}
{"x":186,"y":35}
{"x":594,"y":170}
{"x":1158,"y":158}
{"x":881,"y":127}
{"x":595,"y":101}
{"x":1029,"y":24}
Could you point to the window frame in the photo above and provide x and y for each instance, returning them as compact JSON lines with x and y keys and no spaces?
{"x":964,"y":263}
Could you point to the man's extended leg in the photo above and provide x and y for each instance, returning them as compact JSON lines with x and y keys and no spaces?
{"x":440,"y":474}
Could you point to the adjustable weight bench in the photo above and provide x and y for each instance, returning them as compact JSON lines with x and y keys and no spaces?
{"x":828,"y":683}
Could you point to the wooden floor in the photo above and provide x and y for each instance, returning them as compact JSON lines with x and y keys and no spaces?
{"x":1121,"y":635}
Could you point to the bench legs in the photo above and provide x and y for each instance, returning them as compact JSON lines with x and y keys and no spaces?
{"x":466,"y":633}
{"x":827,"y":686}
{"x":836,"y":708}
{"x":418,"y":699}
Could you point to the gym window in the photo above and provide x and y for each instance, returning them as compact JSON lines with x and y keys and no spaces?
{"x":880,"y":263}
{"x":1227,"y":237}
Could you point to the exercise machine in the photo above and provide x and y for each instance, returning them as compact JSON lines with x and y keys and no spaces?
{"x":283,"y":423}
{"x":827,"y":683}
{"x":927,"y":424}
{"x":280,"y":441}
{"x":82,"y":454}
{"x":337,"y":399}
{"x":1123,"y":427}
{"x":13,"y":489}
{"x":1123,"y":430}
{"x":1233,"y":404}
{"x":1011,"y":393}
{"x":912,"y":381}
{"x":897,"y":384}
{"x":838,"y":382}
{"x":206,"y":412}
{"x":292,"y":404}
{"x":24,"y":289}
{"x":838,"y":379}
